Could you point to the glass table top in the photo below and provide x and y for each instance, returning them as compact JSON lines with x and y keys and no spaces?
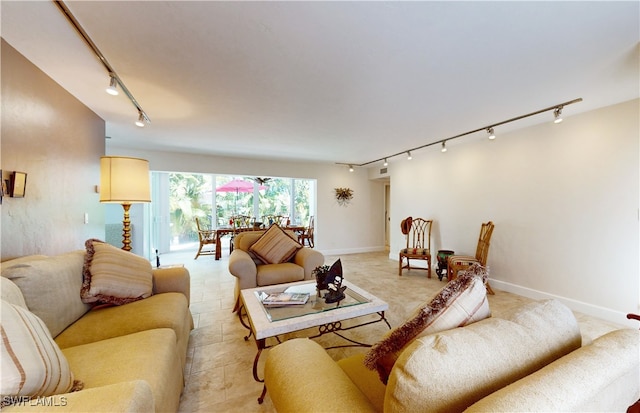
{"x":313,"y":306}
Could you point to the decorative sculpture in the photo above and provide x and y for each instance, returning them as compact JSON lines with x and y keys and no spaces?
{"x":330,"y":279}
{"x":344,"y":195}
{"x":334,"y":284}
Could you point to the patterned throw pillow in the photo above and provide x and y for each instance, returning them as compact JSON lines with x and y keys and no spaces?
{"x":275,"y":246}
{"x":113,"y":276}
{"x":32,"y":363}
{"x":462,"y":301}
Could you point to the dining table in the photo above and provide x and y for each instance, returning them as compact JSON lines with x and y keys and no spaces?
{"x":223,"y":231}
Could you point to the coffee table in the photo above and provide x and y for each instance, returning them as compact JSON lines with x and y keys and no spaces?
{"x":266,"y":323}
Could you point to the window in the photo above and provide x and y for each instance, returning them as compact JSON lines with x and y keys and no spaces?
{"x":193,"y":196}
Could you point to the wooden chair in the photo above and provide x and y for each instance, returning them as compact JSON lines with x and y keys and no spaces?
{"x":241,"y":221}
{"x":418,"y":235}
{"x":280,"y":220}
{"x":307,"y":235}
{"x":206,"y":237}
{"x":457,"y":263}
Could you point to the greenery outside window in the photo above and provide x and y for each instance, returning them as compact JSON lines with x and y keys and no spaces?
{"x":194,"y":196}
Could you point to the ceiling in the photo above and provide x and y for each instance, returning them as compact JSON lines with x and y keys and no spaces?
{"x":329,"y":81}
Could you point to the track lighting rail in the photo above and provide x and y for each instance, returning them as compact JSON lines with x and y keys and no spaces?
{"x":112,"y":73}
{"x":556,"y":108}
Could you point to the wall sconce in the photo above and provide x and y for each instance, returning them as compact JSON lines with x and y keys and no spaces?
{"x":18,"y":185}
{"x":124,"y":181}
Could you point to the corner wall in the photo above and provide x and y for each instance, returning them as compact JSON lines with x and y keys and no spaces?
{"x":57,"y":141}
{"x":564,"y":199}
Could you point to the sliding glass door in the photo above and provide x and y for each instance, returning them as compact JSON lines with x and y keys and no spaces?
{"x":179,"y":198}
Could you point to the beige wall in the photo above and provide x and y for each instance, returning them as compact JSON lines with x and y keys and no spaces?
{"x":564,"y":199}
{"x":57,"y":141}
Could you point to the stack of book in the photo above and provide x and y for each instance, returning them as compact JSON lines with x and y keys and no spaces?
{"x":282,"y":299}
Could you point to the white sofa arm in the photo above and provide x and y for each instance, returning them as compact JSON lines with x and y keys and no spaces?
{"x":242,"y":267}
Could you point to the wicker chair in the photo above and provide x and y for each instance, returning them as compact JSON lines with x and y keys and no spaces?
{"x":206,"y":237}
{"x":457,"y":263}
{"x":418,"y":234}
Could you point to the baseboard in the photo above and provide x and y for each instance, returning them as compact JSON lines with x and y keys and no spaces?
{"x":346,"y":251}
{"x":575,"y":305}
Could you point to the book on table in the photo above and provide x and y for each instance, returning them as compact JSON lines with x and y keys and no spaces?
{"x":285,"y":298}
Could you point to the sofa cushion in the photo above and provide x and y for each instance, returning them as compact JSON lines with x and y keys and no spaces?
{"x":114,"y":276}
{"x":50,"y":287}
{"x":461,"y":302}
{"x":279,"y":274}
{"x":275,"y":246}
{"x":452,"y":369}
{"x":149,"y":355}
{"x":32,"y":363}
{"x":167,"y":310}
{"x":127,"y":396}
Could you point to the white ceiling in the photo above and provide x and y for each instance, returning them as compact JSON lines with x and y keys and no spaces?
{"x":329,"y":81}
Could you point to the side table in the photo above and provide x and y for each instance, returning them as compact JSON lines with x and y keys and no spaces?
{"x":443,"y":257}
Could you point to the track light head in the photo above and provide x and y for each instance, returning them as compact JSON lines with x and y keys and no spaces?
{"x":386,"y":163}
{"x":113,"y":84}
{"x":140,"y":121}
{"x":444,"y":147}
{"x":350,"y":168}
{"x":409,"y":157}
{"x":492,"y":135}
{"x":557,"y":112}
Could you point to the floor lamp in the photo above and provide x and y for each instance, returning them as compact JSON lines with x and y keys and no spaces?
{"x":124,"y":181}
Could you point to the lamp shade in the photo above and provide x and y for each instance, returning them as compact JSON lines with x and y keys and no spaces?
{"x":124,"y":180}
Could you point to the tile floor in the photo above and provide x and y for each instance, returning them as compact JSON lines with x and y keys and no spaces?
{"x":218,"y":371}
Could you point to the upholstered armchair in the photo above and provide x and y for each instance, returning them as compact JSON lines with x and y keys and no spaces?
{"x":270,"y":257}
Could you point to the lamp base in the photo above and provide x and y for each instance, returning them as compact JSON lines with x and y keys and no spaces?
{"x":126,"y":228}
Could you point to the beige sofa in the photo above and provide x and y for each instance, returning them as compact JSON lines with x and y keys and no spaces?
{"x":530,"y":361}
{"x":251,"y":272}
{"x":129,"y":357}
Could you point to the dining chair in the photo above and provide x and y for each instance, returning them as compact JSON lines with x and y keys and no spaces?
{"x":307,"y":235}
{"x":241,"y":221}
{"x":418,"y":234}
{"x":457,"y":263}
{"x":206,"y":237}
{"x":280,"y":220}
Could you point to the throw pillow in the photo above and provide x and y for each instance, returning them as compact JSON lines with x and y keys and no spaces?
{"x":32,"y":363}
{"x":275,"y":246}
{"x":113,"y":276}
{"x":461,"y":302}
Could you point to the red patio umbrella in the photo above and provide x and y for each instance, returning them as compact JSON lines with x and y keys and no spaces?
{"x":237,"y":186}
